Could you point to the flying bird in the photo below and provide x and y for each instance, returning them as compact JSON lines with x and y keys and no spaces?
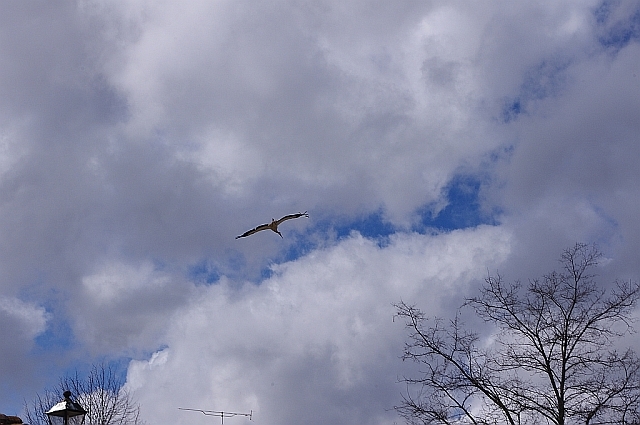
{"x":273,"y":225}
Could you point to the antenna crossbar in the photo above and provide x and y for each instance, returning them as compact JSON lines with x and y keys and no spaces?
{"x":219,"y":413}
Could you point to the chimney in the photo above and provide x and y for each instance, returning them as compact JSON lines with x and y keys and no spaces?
{"x":9,"y":420}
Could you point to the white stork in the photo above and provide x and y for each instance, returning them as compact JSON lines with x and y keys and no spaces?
{"x":273,"y":225}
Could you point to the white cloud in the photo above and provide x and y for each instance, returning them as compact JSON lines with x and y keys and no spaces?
{"x":20,"y":323}
{"x":342,"y":107}
{"x":24,"y":320}
{"x":124,"y":308}
{"x":316,"y":336}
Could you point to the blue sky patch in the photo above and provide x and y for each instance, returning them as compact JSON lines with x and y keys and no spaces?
{"x":203,"y":272}
{"x":372,"y":226}
{"x":58,"y":335}
{"x":618,"y":34}
{"x":266,"y":273}
{"x":622,"y":33}
{"x":463,"y":210}
{"x":546,"y":79}
{"x":511,"y":110}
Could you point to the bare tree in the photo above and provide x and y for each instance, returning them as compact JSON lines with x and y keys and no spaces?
{"x":101,"y":394}
{"x":552,"y":359}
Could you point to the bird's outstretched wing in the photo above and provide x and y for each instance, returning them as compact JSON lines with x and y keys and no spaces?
{"x":252,"y":231}
{"x":290,"y":216}
{"x":273,"y":225}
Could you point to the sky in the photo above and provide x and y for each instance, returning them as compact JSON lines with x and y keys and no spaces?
{"x":431,"y":143}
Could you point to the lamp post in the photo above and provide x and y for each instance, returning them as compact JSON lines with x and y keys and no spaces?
{"x":67,"y":412}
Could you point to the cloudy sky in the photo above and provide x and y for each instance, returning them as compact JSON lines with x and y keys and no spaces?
{"x":431,"y":142}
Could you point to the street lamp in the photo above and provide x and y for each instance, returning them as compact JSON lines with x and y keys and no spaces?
{"x":67,"y":412}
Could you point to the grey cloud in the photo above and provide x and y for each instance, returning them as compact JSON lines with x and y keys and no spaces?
{"x":138,"y":138}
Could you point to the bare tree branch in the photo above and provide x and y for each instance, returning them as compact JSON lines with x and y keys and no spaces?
{"x":101,"y":394}
{"x":553,"y":361}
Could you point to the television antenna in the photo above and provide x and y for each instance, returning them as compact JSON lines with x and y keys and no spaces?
{"x":220,"y":413}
